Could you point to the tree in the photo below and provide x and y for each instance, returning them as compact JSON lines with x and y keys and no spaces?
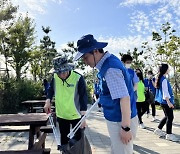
{"x":174,"y":59}
{"x":162,"y":41}
{"x":150,"y":56}
{"x":21,"y":39}
{"x":35,"y":63}
{"x":168,"y":46}
{"x":48,"y":52}
{"x":70,"y":51}
{"x":7,"y":12}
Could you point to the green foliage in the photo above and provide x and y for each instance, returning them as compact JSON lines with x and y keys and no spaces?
{"x":70,"y":51}
{"x":13,"y":92}
{"x":6,"y":10}
{"x":48,"y":52}
{"x":20,"y":40}
{"x":177,"y":101}
{"x":90,"y":78}
{"x":89,"y":89}
{"x":7,"y":14}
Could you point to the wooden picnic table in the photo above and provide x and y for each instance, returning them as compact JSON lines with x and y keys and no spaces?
{"x":34,"y":120}
{"x":31,"y":103}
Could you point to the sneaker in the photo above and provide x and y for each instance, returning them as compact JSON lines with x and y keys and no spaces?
{"x":154,"y":118}
{"x":172,"y":137}
{"x":141,"y":126}
{"x":159,"y":132}
{"x":148,"y":115}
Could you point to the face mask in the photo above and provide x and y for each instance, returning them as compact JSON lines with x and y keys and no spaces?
{"x":127,"y":65}
{"x":149,"y":76}
{"x":138,"y":74}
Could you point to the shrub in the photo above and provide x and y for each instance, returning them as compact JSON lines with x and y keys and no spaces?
{"x":177,"y":101}
{"x":13,"y":92}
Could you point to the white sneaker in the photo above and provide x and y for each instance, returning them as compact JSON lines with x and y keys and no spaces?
{"x":159,"y":132}
{"x":148,"y":115}
{"x":154,"y":118}
{"x":141,"y":126}
{"x":172,"y":137}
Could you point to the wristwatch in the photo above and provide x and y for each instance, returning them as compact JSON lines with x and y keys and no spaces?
{"x":126,"y":129}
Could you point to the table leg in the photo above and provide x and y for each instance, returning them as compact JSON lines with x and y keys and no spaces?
{"x":31,"y":137}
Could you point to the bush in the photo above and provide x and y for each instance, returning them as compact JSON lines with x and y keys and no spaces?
{"x":13,"y":92}
{"x":89,"y":93}
{"x":177,"y":101}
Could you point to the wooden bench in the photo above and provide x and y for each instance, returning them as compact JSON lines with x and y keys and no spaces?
{"x":36,"y":108}
{"x":45,"y":129}
{"x":40,"y":151}
{"x":40,"y":141}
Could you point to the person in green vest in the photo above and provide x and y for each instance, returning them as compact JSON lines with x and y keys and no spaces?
{"x":71,"y":99}
{"x":140,"y":103}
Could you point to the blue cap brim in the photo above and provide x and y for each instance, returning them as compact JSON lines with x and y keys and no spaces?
{"x":78,"y":56}
{"x":98,"y":45}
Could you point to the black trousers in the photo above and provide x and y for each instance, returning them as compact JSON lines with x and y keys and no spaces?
{"x":153,"y":107}
{"x":141,"y":109}
{"x":168,"y":119}
{"x":64,"y":127}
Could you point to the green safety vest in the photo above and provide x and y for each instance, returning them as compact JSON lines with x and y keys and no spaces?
{"x":64,"y":97}
{"x":140,"y":92}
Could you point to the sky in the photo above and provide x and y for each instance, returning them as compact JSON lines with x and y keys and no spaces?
{"x":124,"y":24}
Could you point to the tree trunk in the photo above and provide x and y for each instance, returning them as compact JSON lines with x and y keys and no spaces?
{"x":18,"y":72}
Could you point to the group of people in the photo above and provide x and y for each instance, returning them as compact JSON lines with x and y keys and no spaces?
{"x":120,"y":96}
{"x":144,"y":89}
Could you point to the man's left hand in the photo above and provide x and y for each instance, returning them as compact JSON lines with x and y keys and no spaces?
{"x":125,"y":136}
{"x":84,"y":124}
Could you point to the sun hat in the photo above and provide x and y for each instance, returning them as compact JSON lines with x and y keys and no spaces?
{"x":61,"y":64}
{"x":87,"y":44}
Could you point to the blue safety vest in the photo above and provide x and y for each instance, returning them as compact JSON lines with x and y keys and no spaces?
{"x":159,"y":93}
{"x":111,"y":108}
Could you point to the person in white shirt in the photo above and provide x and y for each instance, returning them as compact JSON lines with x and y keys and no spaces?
{"x":164,"y":95}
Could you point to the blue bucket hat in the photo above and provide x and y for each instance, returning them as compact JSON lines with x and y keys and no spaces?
{"x":87,"y":44}
{"x":61,"y":64}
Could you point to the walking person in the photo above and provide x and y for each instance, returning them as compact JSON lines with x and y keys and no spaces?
{"x":149,"y":83}
{"x":164,"y":95}
{"x":117,"y":94}
{"x":71,"y":100}
{"x":141,"y":104}
{"x":97,"y":93}
{"x":46,"y":86}
{"x":127,"y":60}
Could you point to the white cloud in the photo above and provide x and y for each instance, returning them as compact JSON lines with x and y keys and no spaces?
{"x":144,"y":21}
{"x":173,"y":4}
{"x":140,"y":22}
{"x":123,"y":44}
{"x":135,"y":2}
{"x":34,"y":7}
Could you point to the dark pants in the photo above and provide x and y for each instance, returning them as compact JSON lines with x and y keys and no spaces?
{"x":168,"y":119}
{"x":153,"y":107}
{"x":97,"y":96}
{"x":141,"y":109}
{"x":64,"y":127}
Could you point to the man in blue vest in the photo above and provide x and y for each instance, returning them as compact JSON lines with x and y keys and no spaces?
{"x":117,"y":94}
{"x":127,"y":60}
{"x":149,"y":83}
{"x":71,"y":98}
{"x":97,"y":93}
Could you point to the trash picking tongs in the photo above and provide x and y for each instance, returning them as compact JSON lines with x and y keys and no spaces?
{"x":74,"y":130}
{"x":54,"y":131}
{"x":78,"y":125}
